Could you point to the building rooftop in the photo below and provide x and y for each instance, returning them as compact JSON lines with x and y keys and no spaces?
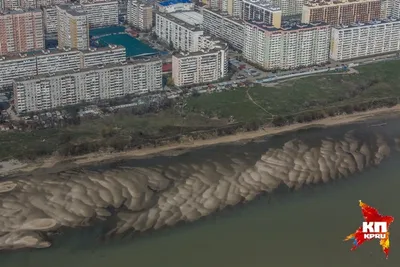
{"x":18,"y":11}
{"x":34,"y":54}
{"x":286,"y":26}
{"x":374,"y":22}
{"x":264,"y":4}
{"x":190,"y":17}
{"x":184,"y":24}
{"x":217,"y":46}
{"x":225,"y":15}
{"x":174,"y":2}
{"x":321,"y":3}
{"x":74,"y":10}
{"x":108,"y":66}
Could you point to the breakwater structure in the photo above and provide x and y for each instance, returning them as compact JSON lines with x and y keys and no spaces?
{"x":152,"y":197}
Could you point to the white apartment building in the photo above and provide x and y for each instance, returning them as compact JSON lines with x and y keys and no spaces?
{"x":290,"y":7}
{"x":57,"y":61}
{"x":50,"y":22}
{"x":181,"y":29}
{"x":16,"y":67}
{"x":101,"y":14}
{"x":73,"y":27}
{"x":361,"y":40}
{"x":102,"y":56}
{"x":262,"y":10}
{"x":292,"y":46}
{"x":204,"y":66}
{"x":47,"y":61}
{"x":170,"y":6}
{"x":225,"y":27}
{"x":394,"y":9}
{"x":140,"y":15}
{"x":68,"y":88}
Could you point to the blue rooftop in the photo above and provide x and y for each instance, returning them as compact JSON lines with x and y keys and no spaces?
{"x":174,"y":2}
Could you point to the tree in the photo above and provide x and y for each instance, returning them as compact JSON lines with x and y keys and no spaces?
{"x":170,"y":81}
{"x":171,"y":45}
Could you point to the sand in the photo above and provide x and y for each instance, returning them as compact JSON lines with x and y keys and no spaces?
{"x":177,"y":148}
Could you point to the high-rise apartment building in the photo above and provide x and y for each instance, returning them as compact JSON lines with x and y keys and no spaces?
{"x":221,"y":25}
{"x":10,"y":4}
{"x":101,"y":14}
{"x":140,"y":15}
{"x":21,"y":31}
{"x":50,"y":22}
{"x":290,"y":7}
{"x":292,"y":46}
{"x":54,"y":61}
{"x":361,"y":40}
{"x":204,"y":66}
{"x":387,"y":7}
{"x":262,"y":10}
{"x":341,"y":12}
{"x":68,"y":88}
{"x":232,"y":7}
{"x":73,"y":27}
{"x":180,"y":29}
{"x":395,"y":11}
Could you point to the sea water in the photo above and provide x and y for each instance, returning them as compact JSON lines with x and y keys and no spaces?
{"x":305,"y":228}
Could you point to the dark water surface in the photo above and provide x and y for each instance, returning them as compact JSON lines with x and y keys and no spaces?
{"x":303,"y":228}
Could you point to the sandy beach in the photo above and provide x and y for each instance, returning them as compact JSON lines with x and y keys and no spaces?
{"x":178,"y":148}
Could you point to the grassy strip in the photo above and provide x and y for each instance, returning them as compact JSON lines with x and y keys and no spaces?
{"x":298,"y":100}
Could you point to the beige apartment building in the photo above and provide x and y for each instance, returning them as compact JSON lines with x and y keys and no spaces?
{"x":21,"y":31}
{"x":204,"y":66}
{"x":140,"y":15}
{"x":341,"y":12}
{"x":72,"y":27}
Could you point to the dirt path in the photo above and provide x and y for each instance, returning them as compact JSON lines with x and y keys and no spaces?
{"x":255,"y":103}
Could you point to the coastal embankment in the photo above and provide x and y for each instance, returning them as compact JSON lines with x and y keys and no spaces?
{"x":175,"y":148}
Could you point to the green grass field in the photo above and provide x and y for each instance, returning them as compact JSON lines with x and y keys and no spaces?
{"x":374,"y":81}
{"x":314,"y":92}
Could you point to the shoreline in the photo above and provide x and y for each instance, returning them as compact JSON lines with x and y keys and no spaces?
{"x":174,"y":149}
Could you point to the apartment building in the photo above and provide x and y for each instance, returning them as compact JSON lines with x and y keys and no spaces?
{"x":102,"y":56}
{"x":12,"y":67}
{"x":341,"y":12}
{"x":50,"y":61}
{"x":57,"y":61}
{"x":21,"y":31}
{"x":50,"y":22}
{"x":170,"y":6}
{"x":292,"y":46}
{"x":68,"y":88}
{"x":72,"y":27}
{"x":365,"y":39}
{"x":395,"y":9}
{"x":387,"y":8}
{"x":204,"y":66}
{"x":140,"y":15}
{"x":290,"y":7}
{"x":225,"y":27}
{"x":232,"y":7}
{"x":262,"y":10}
{"x":101,"y":14}
{"x":181,"y":29}
{"x":10,"y":4}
